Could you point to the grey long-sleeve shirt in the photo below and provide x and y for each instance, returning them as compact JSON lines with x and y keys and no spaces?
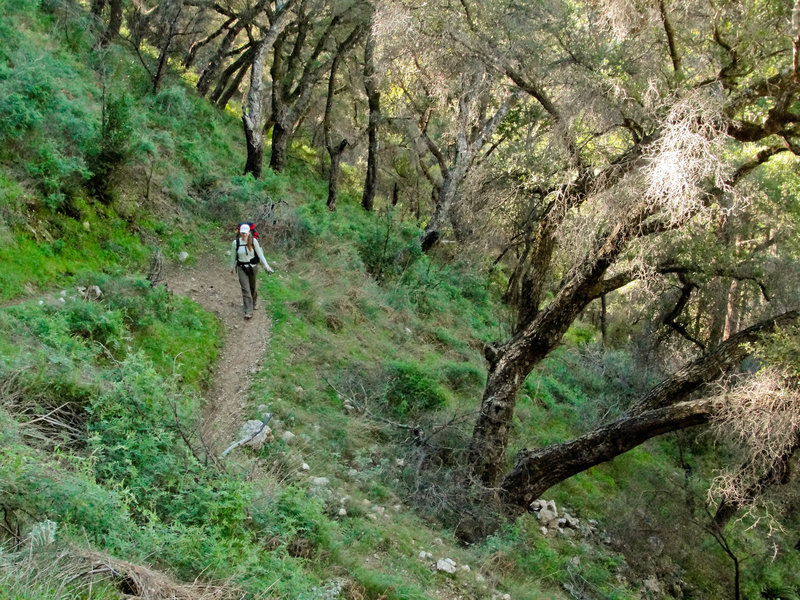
{"x":245,"y":255}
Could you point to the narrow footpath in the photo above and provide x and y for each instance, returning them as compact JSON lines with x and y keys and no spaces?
{"x":209,"y":282}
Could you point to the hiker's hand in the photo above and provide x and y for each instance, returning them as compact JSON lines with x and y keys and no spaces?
{"x":232,"y":270}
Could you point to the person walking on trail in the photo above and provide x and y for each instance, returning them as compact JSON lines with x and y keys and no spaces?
{"x":246,"y":257}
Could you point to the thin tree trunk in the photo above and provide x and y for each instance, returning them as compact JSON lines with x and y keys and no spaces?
{"x":253,"y":111}
{"x":280,"y":142}
{"x":603,"y":321}
{"x":114,"y":18}
{"x":333,"y":177}
{"x":234,"y":87}
{"x":468,"y":143}
{"x":240,"y":64}
{"x":162,"y":59}
{"x":191,"y":55}
{"x":335,"y":150}
{"x":374,"y":101}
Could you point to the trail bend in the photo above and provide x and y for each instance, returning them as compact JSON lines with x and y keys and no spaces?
{"x":209,"y":282}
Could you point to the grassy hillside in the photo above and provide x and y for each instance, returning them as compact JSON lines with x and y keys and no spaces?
{"x":374,"y":364}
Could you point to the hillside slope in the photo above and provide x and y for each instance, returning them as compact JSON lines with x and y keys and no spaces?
{"x":114,"y":408}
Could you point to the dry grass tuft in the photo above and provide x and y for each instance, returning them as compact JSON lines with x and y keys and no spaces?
{"x":71,"y":571}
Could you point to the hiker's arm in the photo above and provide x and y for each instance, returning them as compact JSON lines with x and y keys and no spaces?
{"x":261,"y":256}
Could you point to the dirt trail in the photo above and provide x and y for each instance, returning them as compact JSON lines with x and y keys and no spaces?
{"x":210,"y":283}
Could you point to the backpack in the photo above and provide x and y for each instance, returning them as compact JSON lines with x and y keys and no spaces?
{"x":254,"y":233}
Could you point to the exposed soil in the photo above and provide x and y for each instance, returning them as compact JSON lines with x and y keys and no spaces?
{"x":209,"y":282}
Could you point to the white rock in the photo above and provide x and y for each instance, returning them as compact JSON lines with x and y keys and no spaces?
{"x":342,"y":512}
{"x":94,"y":292}
{"x":250,"y":428}
{"x":544,"y":530}
{"x":465,"y":568}
{"x":183,"y":256}
{"x":424,"y":555}
{"x":547,"y":516}
{"x":506,"y":596}
{"x":61,"y":300}
{"x":288,"y":437}
{"x":305,"y":467}
{"x":320,"y":481}
{"x":448,"y":565}
{"x":400,"y":462}
{"x":438,"y":542}
{"x":571,"y":522}
{"x":63,"y":293}
{"x":652,"y":584}
{"x":87,"y":226}
{"x":366,"y":502}
{"x":41,"y":302}
{"x":480,"y":578}
{"x":378,"y":510}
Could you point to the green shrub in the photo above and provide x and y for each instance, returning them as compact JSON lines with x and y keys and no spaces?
{"x":114,"y":146}
{"x":411,"y":391}
{"x":462,"y":377}
{"x":389,"y":247}
{"x":35,"y":489}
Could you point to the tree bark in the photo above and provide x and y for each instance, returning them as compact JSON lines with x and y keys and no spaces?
{"x":536,"y":472}
{"x":660,"y":411}
{"x":533,"y":340}
{"x":252,"y":113}
{"x":374,"y":102}
{"x":333,"y":175}
{"x":280,"y":143}
{"x":291,"y":97}
{"x":240,"y":64}
{"x":466,"y":149}
{"x":171,"y":31}
{"x":209,"y":73}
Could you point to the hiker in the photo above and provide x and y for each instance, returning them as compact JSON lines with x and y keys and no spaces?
{"x":246,"y":256}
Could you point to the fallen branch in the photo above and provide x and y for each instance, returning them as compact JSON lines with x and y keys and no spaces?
{"x":248,"y":438}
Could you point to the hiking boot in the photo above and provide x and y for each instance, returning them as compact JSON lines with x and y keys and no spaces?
{"x":248,"y":315}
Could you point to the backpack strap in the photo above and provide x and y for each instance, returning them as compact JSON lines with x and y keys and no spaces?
{"x":252,"y":261}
